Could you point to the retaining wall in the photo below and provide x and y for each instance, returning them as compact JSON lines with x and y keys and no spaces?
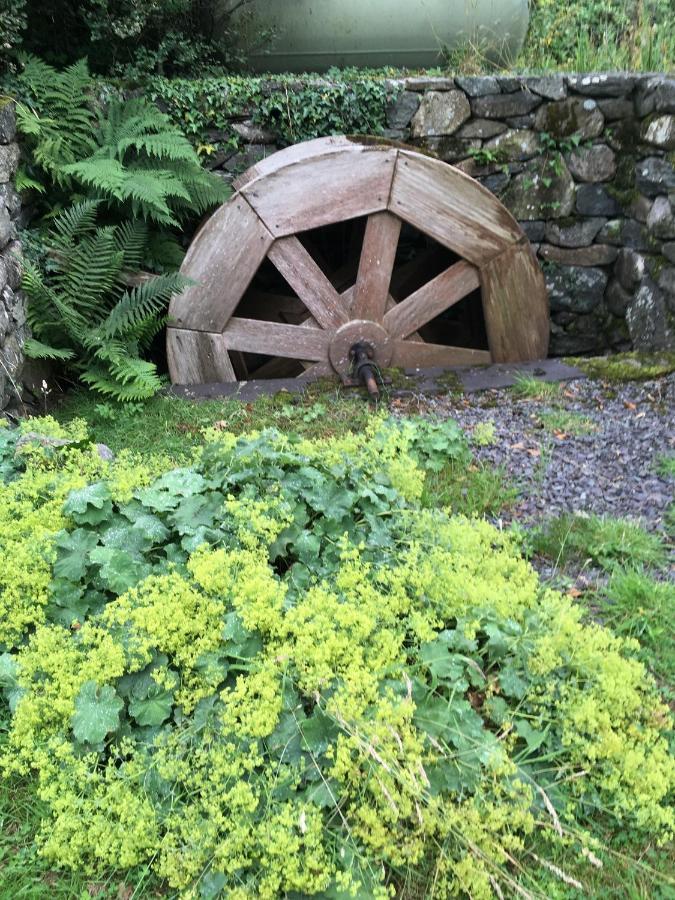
{"x":12,"y":303}
{"x":584,"y":162}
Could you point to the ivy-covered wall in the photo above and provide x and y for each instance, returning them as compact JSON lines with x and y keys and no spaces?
{"x":584,"y":162}
{"x":12,"y":305}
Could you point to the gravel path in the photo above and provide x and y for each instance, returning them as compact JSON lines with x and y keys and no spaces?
{"x":611,"y":469}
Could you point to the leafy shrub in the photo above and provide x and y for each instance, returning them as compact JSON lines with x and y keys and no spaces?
{"x":83,"y":311}
{"x":271,"y":672}
{"x":129,"y":37}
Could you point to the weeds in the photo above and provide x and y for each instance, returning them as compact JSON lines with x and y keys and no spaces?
{"x":527,"y":387}
{"x":561,"y":421}
{"x":477,"y":490}
{"x":601,"y":540}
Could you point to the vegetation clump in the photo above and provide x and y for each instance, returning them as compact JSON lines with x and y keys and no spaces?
{"x":273,"y":671}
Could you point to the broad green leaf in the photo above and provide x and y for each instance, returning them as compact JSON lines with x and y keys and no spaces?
{"x":73,"y":553}
{"x":9,"y":681}
{"x":119,"y":571}
{"x":90,"y":505}
{"x":153,"y":709}
{"x":97,"y":713}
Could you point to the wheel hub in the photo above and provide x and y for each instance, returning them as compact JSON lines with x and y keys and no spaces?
{"x":359,"y":331}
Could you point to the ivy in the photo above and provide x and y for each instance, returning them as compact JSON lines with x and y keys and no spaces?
{"x":292,"y":108}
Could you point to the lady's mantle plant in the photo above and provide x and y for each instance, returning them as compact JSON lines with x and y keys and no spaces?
{"x":272,"y":673}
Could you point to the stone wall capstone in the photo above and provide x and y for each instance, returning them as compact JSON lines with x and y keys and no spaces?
{"x":586,"y":163}
{"x":12,"y":303}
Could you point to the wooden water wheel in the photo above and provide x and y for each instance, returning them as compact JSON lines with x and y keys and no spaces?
{"x":335,"y":243}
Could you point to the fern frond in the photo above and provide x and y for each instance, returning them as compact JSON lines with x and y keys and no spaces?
{"x":104,"y":176}
{"x":144,"y":385}
{"x":74,"y":222}
{"x":132,"y":238}
{"x":37,"y":350}
{"x":166,"y":145}
{"x":141,"y":303}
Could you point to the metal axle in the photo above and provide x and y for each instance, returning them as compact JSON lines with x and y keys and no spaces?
{"x":361,"y":355}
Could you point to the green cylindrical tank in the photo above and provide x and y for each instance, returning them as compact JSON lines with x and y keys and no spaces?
{"x":313,"y":35}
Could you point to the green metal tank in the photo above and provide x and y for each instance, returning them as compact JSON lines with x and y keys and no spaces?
{"x":313,"y":35}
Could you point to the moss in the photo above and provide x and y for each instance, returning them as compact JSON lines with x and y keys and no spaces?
{"x":626,"y":366}
{"x":622,"y":187}
{"x":450,"y":383}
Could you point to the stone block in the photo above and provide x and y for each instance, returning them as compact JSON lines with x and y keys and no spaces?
{"x":647,"y":319}
{"x":566,"y":343}
{"x":9,"y":160}
{"x":10,"y":199}
{"x":515,"y":145}
{"x":552,"y":87}
{"x":595,"y":255}
{"x":666,"y":282}
{"x":496,"y":183}
{"x":592,"y":164}
{"x":535,"y":231}
{"x":428,"y":83}
{"x":501,"y":106}
{"x":572,"y":116}
{"x":595,"y":200}
{"x":601,"y":84}
{"x":7,"y":121}
{"x":629,"y":268}
{"x":668,"y":251}
{"x":640,"y":208}
{"x":626,"y":233}
{"x":440,"y":113}
{"x":479,"y":85}
{"x":616,"y":108}
{"x":573,"y":233}
{"x":661,"y":219}
{"x":617,"y":298}
{"x":12,"y":258}
{"x":654,"y":176}
{"x":660,"y":132}
{"x":401,"y":110}
{"x":520,"y":122}
{"x":252,"y":133}
{"x":532,"y":195}
{"x":481,"y":128}
{"x":577,"y":289}
{"x":6,"y":227}
{"x":657,"y":95}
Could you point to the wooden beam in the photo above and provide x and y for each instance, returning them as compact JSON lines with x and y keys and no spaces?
{"x":449,"y":206}
{"x":221,"y":263}
{"x":432,"y":299}
{"x":308,"y":281}
{"x":380,"y":243}
{"x":515,"y":306}
{"x":410,"y":354}
{"x":196,"y":357}
{"x":350,"y":181}
{"x":275,"y":339}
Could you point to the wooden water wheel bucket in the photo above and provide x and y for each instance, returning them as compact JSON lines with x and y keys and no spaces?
{"x":338,"y":242}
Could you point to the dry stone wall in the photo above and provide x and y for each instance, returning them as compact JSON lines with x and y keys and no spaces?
{"x":12,"y":303}
{"x":584,"y":162}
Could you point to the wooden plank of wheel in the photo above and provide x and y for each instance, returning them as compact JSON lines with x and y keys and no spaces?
{"x":333,"y":180}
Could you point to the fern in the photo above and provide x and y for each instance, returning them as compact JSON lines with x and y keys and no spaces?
{"x":126,"y":152}
{"x":83,"y":312}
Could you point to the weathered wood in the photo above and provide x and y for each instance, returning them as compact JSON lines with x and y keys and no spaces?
{"x":221,"y":262}
{"x":275,"y":339}
{"x":432,"y":299}
{"x":319,"y":190}
{"x":408,"y":354}
{"x":290,"y":155}
{"x":515,"y":306}
{"x":375,"y":267}
{"x":197,"y":357}
{"x":451,"y":207}
{"x":308,"y":281}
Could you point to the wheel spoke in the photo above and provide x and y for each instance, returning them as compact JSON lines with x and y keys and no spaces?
{"x":409,"y":354}
{"x":198,"y":357}
{"x":380,"y":243}
{"x":275,"y":339}
{"x":432,"y":299}
{"x":308,"y":282}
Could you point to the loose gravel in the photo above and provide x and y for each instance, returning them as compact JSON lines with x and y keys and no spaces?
{"x":611,"y":470}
